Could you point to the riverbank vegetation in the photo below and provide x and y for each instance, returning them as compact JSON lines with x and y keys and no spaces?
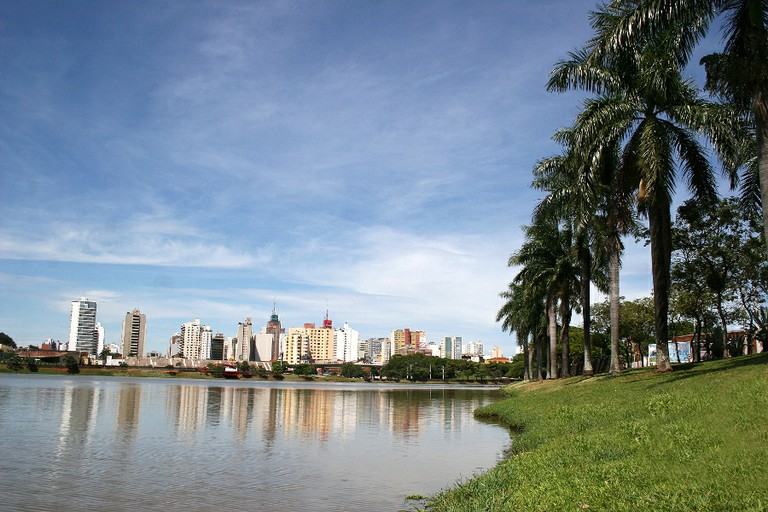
{"x":644,"y":130}
{"x":694,"y":439}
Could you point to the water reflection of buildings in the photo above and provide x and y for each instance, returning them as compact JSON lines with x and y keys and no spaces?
{"x":128,"y":408}
{"x":190,"y":405}
{"x":79,"y":413}
{"x":313,"y":413}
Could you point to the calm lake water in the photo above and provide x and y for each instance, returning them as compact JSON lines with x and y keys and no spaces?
{"x":138,"y":444}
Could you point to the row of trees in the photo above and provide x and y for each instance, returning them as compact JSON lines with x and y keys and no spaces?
{"x":643,"y":126}
{"x":421,"y":367}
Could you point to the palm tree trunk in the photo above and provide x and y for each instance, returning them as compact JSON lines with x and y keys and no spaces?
{"x":565,"y":315}
{"x":586,"y":278}
{"x":613,"y":298}
{"x":660,"y":225}
{"x":539,"y":351}
{"x":526,"y":361}
{"x":760,"y":109}
{"x":552,"y":315}
{"x":723,"y":325}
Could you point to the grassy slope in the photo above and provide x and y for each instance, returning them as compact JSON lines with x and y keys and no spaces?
{"x":693,"y":439}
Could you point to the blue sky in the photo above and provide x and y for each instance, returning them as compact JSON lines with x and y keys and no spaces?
{"x":206,"y":159}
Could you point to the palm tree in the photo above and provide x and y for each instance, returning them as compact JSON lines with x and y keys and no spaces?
{"x":522,"y":313}
{"x":575,"y":197}
{"x":644,"y":103}
{"x":738,"y":74}
{"x":548,"y":262}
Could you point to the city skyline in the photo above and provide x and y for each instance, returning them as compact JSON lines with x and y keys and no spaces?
{"x":345,"y":344}
{"x":208,"y":159}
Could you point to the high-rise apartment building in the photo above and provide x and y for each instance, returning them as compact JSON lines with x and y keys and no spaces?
{"x":98,"y":337}
{"x":418,"y":339}
{"x":195,"y":342}
{"x":473,"y":349}
{"x":278,"y":336}
{"x":400,"y":338}
{"x":310,"y":344}
{"x":450,"y":347}
{"x":82,"y":327}
{"x":370,"y":349}
{"x":174,"y":345}
{"x":262,"y":347}
{"x":496,"y":352}
{"x":346,"y":340}
{"x":134,"y":332}
{"x":218,"y":342}
{"x":244,"y":340}
{"x":403,"y":339}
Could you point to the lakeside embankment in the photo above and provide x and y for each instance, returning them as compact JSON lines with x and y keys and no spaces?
{"x":164,"y":373}
{"x":695,"y":439}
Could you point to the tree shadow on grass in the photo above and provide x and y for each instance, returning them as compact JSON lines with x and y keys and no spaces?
{"x":689,"y":370}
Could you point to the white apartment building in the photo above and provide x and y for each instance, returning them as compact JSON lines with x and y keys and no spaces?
{"x":473,"y":349}
{"x":346,"y":340}
{"x":82,"y":327}
{"x":99,"y":336}
{"x":262,"y":346}
{"x":195,"y":341}
{"x":244,"y":335}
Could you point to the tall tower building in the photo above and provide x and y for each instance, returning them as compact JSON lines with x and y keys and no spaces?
{"x":82,"y":326}
{"x":399,"y":338}
{"x":418,"y":339}
{"x":278,"y":332}
{"x":244,"y":335}
{"x":346,"y":340}
{"x":218,"y":341}
{"x":310,"y":344}
{"x":450,"y":347}
{"x":195,"y":342}
{"x":98,"y":335}
{"x":473,"y":349}
{"x":134,"y":332}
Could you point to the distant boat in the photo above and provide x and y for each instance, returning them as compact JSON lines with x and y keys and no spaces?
{"x":231,"y":373}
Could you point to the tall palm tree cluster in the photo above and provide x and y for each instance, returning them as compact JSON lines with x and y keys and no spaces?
{"x":642,"y":129}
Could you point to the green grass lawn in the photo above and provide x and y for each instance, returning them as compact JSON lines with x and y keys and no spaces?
{"x":693,"y":439}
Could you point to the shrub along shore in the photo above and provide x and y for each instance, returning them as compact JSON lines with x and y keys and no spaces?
{"x":692,"y":439}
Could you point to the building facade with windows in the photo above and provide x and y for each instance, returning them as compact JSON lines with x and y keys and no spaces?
{"x":83,"y":336}
{"x":132,"y":339}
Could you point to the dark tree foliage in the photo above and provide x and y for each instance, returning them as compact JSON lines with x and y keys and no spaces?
{"x":304,"y":369}
{"x":7,"y":340}
{"x":351,"y":371}
{"x":71,"y":364}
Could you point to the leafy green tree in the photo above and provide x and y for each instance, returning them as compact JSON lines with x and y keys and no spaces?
{"x":351,"y":371}
{"x":7,"y":340}
{"x":216,"y":370}
{"x":720,"y":247}
{"x":31,"y":364}
{"x":636,"y":321}
{"x":71,"y":364}
{"x":278,"y":368}
{"x":304,"y":369}
{"x":105,"y":353}
{"x":12,"y":360}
